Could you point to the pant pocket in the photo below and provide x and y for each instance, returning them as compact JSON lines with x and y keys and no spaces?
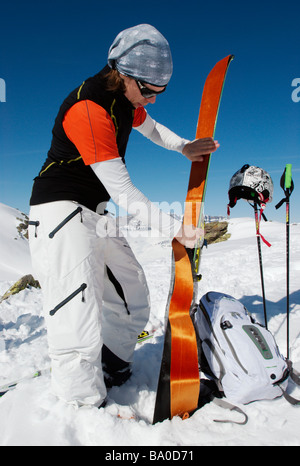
{"x":69,"y":298}
{"x":65,"y":221}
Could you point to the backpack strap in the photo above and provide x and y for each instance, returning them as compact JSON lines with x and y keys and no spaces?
{"x":295,"y":376}
{"x":224,"y":404}
{"x":211,"y":391}
{"x":289,"y":398}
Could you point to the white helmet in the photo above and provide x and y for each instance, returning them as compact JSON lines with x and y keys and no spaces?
{"x":252,"y":184}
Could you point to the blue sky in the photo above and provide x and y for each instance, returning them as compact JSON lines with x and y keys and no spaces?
{"x":48,"y":49}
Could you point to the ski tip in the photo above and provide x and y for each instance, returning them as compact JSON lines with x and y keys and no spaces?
{"x":229,"y":58}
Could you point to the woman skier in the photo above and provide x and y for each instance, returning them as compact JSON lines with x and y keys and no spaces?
{"x":96,"y":300}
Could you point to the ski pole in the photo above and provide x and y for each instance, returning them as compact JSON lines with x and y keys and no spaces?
{"x":288,"y":179}
{"x":260,"y":263}
{"x":287,"y":185}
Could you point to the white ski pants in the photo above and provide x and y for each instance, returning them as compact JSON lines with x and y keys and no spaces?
{"x":71,"y":248}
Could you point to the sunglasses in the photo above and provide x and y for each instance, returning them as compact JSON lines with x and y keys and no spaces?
{"x":146,"y":92}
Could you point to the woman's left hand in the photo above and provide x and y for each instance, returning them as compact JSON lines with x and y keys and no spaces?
{"x":196,"y":150}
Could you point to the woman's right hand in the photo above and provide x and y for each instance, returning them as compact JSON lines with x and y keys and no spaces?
{"x":189,"y":235}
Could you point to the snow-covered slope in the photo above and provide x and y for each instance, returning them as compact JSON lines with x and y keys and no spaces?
{"x":30,"y":415}
{"x":14,"y":252}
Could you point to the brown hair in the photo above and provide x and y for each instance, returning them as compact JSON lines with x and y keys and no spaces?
{"x":114,"y":81}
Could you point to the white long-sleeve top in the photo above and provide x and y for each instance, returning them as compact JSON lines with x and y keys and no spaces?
{"x":114,"y":175}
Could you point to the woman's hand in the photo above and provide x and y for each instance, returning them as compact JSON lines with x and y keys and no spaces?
{"x":196,"y":150}
{"x":189,"y":235}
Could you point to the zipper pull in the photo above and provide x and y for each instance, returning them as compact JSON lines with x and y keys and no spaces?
{"x":83,"y":287}
{"x":36,"y":224}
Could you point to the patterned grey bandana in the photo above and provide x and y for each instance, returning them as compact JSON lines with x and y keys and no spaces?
{"x":143,"y":53}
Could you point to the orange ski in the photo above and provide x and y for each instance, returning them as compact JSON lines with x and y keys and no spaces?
{"x":179,"y":381}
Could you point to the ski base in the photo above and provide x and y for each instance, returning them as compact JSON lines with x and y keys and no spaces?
{"x":179,"y":380}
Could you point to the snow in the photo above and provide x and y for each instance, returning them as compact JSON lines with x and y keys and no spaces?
{"x":30,"y":415}
{"x":14,"y":252}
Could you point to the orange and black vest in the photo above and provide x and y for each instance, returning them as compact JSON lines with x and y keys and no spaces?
{"x":66,"y":174}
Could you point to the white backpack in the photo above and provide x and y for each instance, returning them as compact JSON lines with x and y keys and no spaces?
{"x":242,"y":355}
